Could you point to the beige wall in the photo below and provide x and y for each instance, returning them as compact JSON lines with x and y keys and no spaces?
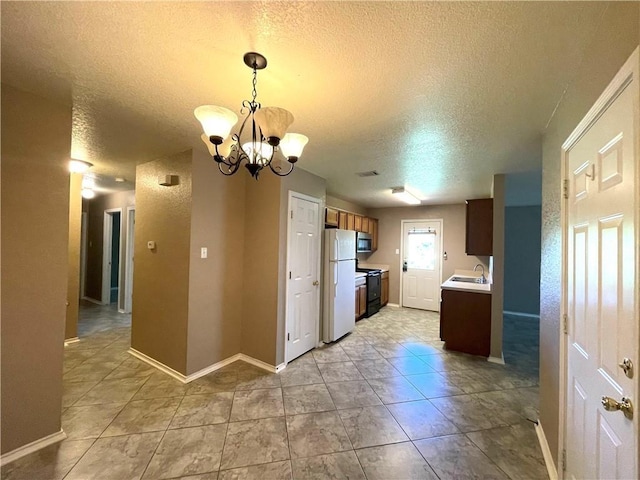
{"x":161,"y":276}
{"x":299,"y":181}
{"x":497,"y":290}
{"x":36,"y":144}
{"x":95,"y":240}
{"x":261,"y":263}
{"x":215,"y":283}
{"x":617,"y":36}
{"x":390,"y":233}
{"x":345,"y":205}
{"x":73,"y":283}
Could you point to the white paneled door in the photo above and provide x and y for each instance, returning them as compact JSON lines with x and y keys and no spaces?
{"x":421,"y":279}
{"x":601,"y":162}
{"x":303,"y":292}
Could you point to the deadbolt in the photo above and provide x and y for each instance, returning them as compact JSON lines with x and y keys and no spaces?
{"x":627,"y":367}
{"x":610,"y":405}
{"x":316,"y":283}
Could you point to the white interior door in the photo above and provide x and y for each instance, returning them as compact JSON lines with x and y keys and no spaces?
{"x":303,"y":289}
{"x":421,"y":278}
{"x":601,"y":258}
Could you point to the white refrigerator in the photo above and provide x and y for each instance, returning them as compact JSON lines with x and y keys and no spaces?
{"x":339,"y":284}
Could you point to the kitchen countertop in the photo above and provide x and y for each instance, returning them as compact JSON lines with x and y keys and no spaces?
{"x":465,"y":286}
{"x":361,"y":274}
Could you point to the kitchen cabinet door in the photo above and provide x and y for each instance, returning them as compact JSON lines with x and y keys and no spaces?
{"x":362,"y":295}
{"x":331,"y":217}
{"x":365,"y":224}
{"x":358,"y":223}
{"x":465,"y":322}
{"x":374,"y":235}
{"x":357,"y":311}
{"x":371,"y":222}
{"x":342,"y":221}
{"x":351,"y":221}
{"x":479,"y":235}
{"x":384,"y":295}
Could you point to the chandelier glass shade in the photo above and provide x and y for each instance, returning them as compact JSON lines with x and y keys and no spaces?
{"x":262,"y":133}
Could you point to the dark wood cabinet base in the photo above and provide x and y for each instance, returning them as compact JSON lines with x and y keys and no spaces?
{"x":465,"y":322}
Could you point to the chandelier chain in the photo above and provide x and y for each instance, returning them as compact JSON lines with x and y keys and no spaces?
{"x":255,"y":83}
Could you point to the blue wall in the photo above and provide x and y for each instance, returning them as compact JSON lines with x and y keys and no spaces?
{"x":522,"y":259}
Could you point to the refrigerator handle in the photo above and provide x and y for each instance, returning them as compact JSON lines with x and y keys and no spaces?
{"x":337,"y":249}
{"x":335,"y":279}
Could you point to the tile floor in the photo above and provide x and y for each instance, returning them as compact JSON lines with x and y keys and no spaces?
{"x":384,"y":403}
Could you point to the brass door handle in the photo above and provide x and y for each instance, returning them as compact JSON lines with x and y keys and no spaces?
{"x":316,"y":283}
{"x":610,"y":405}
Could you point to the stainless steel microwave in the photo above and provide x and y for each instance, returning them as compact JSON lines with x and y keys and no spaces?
{"x":363,"y":242}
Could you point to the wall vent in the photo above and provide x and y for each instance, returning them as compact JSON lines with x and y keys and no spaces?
{"x":370,"y":173}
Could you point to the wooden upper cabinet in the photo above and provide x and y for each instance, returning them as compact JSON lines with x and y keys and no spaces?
{"x":331,"y":217}
{"x":374,"y":234}
{"x":479,"y":235}
{"x":358,"y":223}
{"x":342,"y":220}
{"x":365,"y":224}
{"x":351,"y":221}
{"x":371,"y":222}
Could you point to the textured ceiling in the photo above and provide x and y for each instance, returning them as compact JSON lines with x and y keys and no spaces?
{"x":436,"y":96}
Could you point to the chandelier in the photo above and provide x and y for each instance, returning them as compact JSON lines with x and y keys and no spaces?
{"x":263,"y":132}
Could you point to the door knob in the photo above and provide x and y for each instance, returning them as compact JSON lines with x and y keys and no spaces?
{"x":316,"y":283}
{"x":627,"y":367}
{"x":610,"y":405}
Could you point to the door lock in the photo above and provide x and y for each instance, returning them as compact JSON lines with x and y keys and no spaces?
{"x":610,"y":405}
{"x":316,"y":283}
{"x":627,"y":367}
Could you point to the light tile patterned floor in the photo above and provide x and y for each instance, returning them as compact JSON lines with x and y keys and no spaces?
{"x":386,"y":402}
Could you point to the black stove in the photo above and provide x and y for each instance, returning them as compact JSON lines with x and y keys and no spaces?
{"x":374,"y":286}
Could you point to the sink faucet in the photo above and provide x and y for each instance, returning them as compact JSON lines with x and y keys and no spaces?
{"x":482,"y":277}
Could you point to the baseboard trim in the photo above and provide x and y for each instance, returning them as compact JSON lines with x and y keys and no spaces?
{"x":92,"y":300}
{"x":71,"y":340}
{"x":392,"y":305}
{"x":32,"y":447}
{"x":546,"y":452}
{"x":205,"y":371}
{"x":521,"y":314}
{"x":499,"y":361}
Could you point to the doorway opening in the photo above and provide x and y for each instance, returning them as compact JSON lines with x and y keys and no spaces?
{"x":112,"y":252}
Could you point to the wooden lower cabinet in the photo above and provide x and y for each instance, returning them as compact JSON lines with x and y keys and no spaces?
{"x":465,"y":322}
{"x":384,"y":294}
{"x":361,"y":300}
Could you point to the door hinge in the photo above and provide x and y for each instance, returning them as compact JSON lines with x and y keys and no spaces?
{"x":565,"y":188}
{"x":288,"y":337}
{"x":289,"y":275}
{"x":564,"y":459}
{"x":291,"y":213}
{"x":565,"y":323}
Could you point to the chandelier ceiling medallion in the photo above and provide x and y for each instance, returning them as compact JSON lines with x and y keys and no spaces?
{"x":258,"y":140}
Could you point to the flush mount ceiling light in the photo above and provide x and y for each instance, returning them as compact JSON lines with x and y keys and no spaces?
{"x":265,"y":133}
{"x":79,"y":166}
{"x":401,"y":194}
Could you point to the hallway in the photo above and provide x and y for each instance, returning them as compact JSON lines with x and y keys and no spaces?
{"x":385,"y":402}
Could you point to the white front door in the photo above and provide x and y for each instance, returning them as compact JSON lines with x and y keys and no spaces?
{"x":421,"y":280}
{"x":601,"y":164}
{"x":303,"y":292}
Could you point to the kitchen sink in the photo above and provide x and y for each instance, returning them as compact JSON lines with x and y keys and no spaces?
{"x":467,"y":279}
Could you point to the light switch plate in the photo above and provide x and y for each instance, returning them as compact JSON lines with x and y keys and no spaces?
{"x":203,"y":252}
{"x":397,"y":251}
{"x":151,"y":245}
